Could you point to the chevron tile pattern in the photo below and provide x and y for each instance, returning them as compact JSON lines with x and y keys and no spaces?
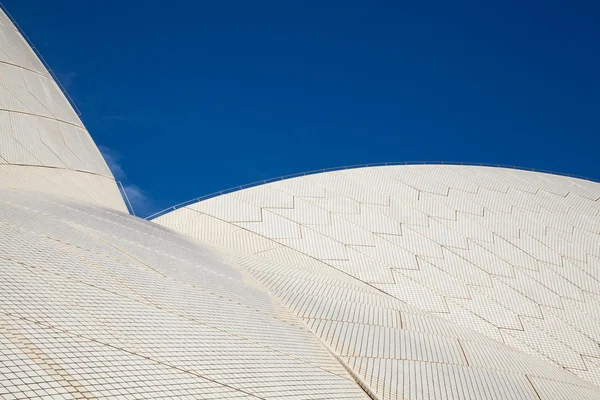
{"x":400,"y":352}
{"x":399,"y":282}
{"x":510,"y":254}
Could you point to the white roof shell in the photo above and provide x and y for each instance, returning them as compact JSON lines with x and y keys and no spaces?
{"x":99,"y":304}
{"x":96,"y":303}
{"x":426,"y":282}
{"x":43,"y":144}
{"x":509,"y":254}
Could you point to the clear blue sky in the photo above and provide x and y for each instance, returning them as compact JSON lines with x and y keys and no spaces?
{"x":191,"y":97}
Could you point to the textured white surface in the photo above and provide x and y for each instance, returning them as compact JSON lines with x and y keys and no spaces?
{"x":398,"y":351}
{"x":412,"y":282}
{"x":100,"y":304}
{"x":513,"y":255}
{"x":39,"y":128}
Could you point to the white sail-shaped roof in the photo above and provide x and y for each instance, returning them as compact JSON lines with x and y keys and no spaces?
{"x":513,"y":256}
{"x":43,"y":144}
{"x":399,"y":282}
{"x":99,"y":304}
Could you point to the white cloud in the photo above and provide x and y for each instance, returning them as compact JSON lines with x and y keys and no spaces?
{"x":66,"y":79}
{"x":113,"y":159}
{"x":141,"y":203}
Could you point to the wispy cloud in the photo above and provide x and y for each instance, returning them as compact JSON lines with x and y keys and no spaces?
{"x":140,"y":201}
{"x":113,"y":159}
{"x":67,"y":79}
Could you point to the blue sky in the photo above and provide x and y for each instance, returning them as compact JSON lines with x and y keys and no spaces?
{"x":191,"y":97}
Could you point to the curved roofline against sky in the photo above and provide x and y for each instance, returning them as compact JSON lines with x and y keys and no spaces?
{"x":42,"y":59}
{"x":318,"y":171}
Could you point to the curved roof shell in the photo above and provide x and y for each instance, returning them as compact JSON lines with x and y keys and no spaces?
{"x":513,"y":255}
{"x":96,"y":303}
{"x":43,"y":144}
{"x":100,"y":304}
{"x":385,"y":283}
